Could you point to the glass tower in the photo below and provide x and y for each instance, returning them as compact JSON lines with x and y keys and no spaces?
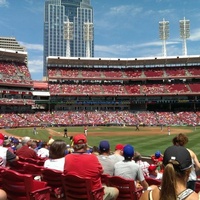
{"x":56,"y":13}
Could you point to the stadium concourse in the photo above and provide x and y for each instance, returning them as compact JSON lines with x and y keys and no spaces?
{"x":100,"y":91}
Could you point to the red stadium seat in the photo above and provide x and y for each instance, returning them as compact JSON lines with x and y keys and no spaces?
{"x":76,"y":188}
{"x":53,"y":178}
{"x":127,"y":189}
{"x":23,"y":187}
{"x":34,"y":170}
{"x":153,"y":181}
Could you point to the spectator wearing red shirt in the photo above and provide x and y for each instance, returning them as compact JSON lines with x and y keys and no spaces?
{"x":87,"y":165}
{"x":25,"y":151}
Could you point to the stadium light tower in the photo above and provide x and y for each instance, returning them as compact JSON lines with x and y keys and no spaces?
{"x":68,"y":35}
{"x":164,"y":34}
{"x":88,"y":36}
{"x":184,"y":33}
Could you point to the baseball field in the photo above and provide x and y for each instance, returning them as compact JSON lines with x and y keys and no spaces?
{"x":147,"y":140}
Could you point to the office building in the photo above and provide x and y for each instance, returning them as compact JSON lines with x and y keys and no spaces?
{"x":57,"y":13}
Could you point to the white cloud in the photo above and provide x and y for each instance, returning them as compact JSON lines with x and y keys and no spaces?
{"x":3,"y":3}
{"x":35,"y":66}
{"x":136,"y":50}
{"x":125,"y":9}
{"x":30,"y":46}
{"x":195,"y":35}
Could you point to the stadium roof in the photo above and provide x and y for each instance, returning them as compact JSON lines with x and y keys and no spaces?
{"x":143,"y":61}
{"x":7,"y":54}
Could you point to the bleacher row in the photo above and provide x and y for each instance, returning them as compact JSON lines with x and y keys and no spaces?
{"x":119,"y":89}
{"x":26,"y":179}
{"x":14,"y":73}
{"x":98,"y":118}
{"x":123,"y":73}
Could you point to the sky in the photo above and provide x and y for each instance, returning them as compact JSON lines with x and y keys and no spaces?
{"x":122,"y":28}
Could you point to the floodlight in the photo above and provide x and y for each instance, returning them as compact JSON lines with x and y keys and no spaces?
{"x":68,"y":35}
{"x":88,"y":36}
{"x":184,"y":33}
{"x":164,"y":34}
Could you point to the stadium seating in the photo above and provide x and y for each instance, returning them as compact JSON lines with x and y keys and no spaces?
{"x":17,"y":166}
{"x":34,"y":170}
{"x":23,"y":187}
{"x":127,"y":189}
{"x":77,"y":188}
{"x":157,"y":72}
{"x":153,"y":181}
{"x":53,"y":178}
{"x":173,"y":72}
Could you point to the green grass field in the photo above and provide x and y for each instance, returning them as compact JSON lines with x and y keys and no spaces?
{"x":147,"y":143}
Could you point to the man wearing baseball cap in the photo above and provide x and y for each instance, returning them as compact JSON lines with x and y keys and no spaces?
{"x":129,"y":169}
{"x":118,"y":154}
{"x":86,"y":164}
{"x":6,"y":156}
{"x":104,"y":159}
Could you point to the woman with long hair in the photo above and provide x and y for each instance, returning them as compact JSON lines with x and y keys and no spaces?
{"x":177,"y":167}
{"x":181,"y":140}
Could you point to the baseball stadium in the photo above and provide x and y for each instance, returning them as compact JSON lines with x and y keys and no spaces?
{"x":111,"y":96}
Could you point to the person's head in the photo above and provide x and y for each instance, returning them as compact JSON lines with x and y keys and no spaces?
{"x":181,"y":139}
{"x":153,"y":169}
{"x":95,"y":150}
{"x":128,"y":152}
{"x":104,"y":147}
{"x":33,"y":145}
{"x":175,"y":141}
{"x":26,"y":141}
{"x":177,"y":162}
{"x":80,"y":142}
{"x":57,"y":149}
{"x":157,"y":154}
{"x":119,"y":148}
{"x":137,"y":156}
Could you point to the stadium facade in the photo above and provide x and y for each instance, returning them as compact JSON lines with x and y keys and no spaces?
{"x":59,"y":12}
{"x":100,"y":91}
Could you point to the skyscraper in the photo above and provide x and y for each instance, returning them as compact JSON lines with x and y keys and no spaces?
{"x":57,"y":13}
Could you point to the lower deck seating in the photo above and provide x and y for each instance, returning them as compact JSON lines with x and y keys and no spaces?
{"x":24,"y":187}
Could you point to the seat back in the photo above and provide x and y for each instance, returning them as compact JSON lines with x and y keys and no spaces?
{"x":1,"y":181}
{"x":127,"y":188}
{"x":31,"y":160}
{"x":104,"y":179}
{"x":76,"y":188}
{"x":17,"y":186}
{"x":22,"y":159}
{"x":40,"y":162}
{"x":17,"y":166}
{"x":153,"y":181}
{"x":32,"y":169}
{"x":54,"y":180}
{"x":23,"y":187}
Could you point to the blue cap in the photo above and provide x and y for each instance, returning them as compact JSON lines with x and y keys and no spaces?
{"x":104,"y":145}
{"x":128,"y":151}
{"x":15,"y":140}
{"x":157,"y":154}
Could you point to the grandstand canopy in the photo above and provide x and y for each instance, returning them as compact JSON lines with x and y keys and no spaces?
{"x":12,"y":55}
{"x":143,"y":61}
